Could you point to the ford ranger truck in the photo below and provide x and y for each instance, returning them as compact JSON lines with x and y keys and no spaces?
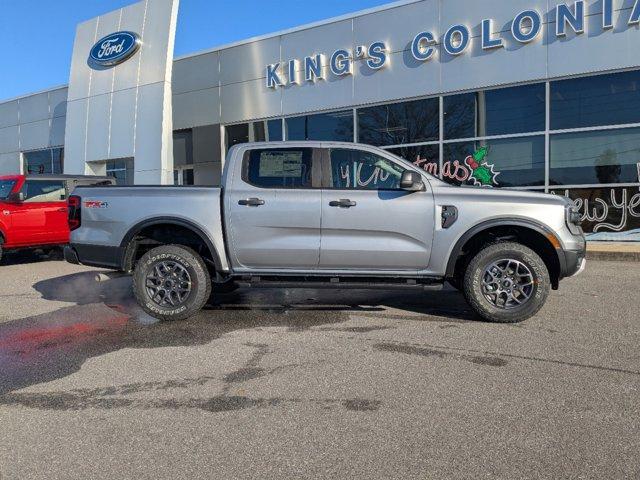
{"x":328,"y":215}
{"x":33,"y":209}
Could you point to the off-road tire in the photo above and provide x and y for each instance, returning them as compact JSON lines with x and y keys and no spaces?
{"x":187,"y":259}
{"x":1,"y":252}
{"x":472,"y":283}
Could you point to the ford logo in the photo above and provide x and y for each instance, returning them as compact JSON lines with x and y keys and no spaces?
{"x":114,"y":49}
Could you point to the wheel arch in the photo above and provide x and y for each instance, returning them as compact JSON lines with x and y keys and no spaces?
{"x":129,"y":244}
{"x":541,"y":239}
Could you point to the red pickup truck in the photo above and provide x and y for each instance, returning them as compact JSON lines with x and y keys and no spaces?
{"x":33,"y":209}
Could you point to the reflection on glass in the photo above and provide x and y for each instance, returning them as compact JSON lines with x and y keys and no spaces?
{"x":40,"y":162}
{"x":495,"y":112}
{"x":236,"y":134}
{"x":358,"y":170}
{"x":398,"y":123}
{"x":121,"y":170}
{"x":267,"y":131}
{"x":511,"y":162}
{"x":183,"y":147}
{"x":5,"y":188}
{"x":610,"y":156}
{"x":336,"y":126}
{"x":598,"y":100}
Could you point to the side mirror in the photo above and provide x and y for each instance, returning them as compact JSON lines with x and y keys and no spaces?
{"x":411,"y":181}
{"x":17,"y":197}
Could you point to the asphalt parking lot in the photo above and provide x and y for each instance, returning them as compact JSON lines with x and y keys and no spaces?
{"x":315,"y":384}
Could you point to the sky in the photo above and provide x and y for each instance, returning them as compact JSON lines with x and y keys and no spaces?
{"x":36,"y":36}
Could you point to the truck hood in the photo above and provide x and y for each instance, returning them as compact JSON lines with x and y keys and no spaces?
{"x":483,"y":194}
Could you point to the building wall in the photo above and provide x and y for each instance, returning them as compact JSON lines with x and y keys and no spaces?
{"x":124,"y":111}
{"x":228,"y":85}
{"x":32,"y":122}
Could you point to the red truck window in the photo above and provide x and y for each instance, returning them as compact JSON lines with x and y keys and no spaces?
{"x":5,"y":188}
{"x":44,"y":191}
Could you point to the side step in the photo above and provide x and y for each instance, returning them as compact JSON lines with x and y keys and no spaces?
{"x":364,"y":283}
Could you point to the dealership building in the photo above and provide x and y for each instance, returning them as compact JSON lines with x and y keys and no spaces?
{"x":541,"y":95}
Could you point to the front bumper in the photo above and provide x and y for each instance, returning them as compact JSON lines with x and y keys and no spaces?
{"x":575,"y":262}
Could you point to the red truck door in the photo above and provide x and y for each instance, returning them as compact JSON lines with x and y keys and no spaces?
{"x":42,"y":217}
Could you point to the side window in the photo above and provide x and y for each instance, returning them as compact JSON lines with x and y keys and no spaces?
{"x":360,"y":170}
{"x":44,"y":191}
{"x":279,"y":168}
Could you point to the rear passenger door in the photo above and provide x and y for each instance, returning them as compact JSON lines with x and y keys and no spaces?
{"x":272,"y":208}
{"x":368,"y":222}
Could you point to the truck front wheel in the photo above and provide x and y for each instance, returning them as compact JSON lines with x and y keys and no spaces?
{"x":506,"y":282}
{"x":171,"y":282}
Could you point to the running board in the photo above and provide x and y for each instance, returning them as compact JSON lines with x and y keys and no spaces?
{"x":364,"y":283}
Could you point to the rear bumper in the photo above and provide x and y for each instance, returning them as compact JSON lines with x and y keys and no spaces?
{"x":70,"y":255}
{"x":94,"y":255}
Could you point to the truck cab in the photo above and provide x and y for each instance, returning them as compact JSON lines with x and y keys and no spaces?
{"x":33,"y":209}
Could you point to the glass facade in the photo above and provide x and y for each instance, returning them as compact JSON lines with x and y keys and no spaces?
{"x":121,"y":170}
{"x":579,"y":137}
{"x":39,"y":162}
{"x":337,"y":126}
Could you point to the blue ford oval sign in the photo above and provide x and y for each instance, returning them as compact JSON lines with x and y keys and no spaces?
{"x":114,"y":49}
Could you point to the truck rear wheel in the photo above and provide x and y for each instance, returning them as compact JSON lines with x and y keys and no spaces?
{"x":506,"y":282}
{"x":171,"y":282}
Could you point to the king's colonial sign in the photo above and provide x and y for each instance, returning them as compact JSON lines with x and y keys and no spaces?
{"x":526,"y":27}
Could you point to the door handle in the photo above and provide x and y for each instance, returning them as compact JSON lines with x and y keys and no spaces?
{"x":343,"y":203}
{"x":65,"y":209}
{"x":251,"y":202}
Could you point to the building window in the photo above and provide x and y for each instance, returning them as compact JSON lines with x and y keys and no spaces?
{"x":595,"y":157}
{"x":508,"y":162}
{"x":39,"y":162}
{"x":609,"y":212}
{"x":260,"y":131}
{"x":183,"y":147}
{"x":335,"y":126}
{"x":595,"y":101}
{"x":236,"y":134}
{"x":183,"y":176}
{"x":426,"y":157}
{"x":121,"y":170}
{"x":398,"y":123}
{"x":488,"y":113}
{"x":267,"y":131}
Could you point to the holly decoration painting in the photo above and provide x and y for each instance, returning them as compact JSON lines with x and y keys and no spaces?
{"x":482,"y":174}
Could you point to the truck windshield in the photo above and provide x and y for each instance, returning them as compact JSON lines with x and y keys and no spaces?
{"x":5,"y":188}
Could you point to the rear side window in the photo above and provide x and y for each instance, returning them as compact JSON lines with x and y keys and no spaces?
{"x":43,"y":191}
{"x":279,"y":168}
{"x":361,"y":170}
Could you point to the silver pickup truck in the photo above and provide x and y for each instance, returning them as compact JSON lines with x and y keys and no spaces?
{"x":328,"y":215}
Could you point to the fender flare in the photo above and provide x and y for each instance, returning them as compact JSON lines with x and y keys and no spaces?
{"x":125,"y":245}
{"x":502,"y":222}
